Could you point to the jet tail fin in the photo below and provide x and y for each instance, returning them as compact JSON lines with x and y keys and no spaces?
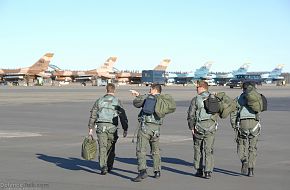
{"x":163,"y":65}
{"x":242,"y":70}
{"x":277,"y":71}
{"x":109,"y":63}
{"x":106,"y":68}
{"x":42,"y":63}
{"x":203,"y":71}
{"x":207,"y":65}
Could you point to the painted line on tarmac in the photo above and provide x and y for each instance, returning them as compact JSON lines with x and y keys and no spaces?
{"x":17,"y":134}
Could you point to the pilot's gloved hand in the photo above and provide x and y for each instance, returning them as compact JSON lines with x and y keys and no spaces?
{"x":125,"y":133}
{"x":134,"y":92}
{"x":90,"y":132}
{"x":193,"y":131}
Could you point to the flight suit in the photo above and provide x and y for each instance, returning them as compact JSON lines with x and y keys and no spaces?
{"x":204,"y":126}
{"x":148,"y":133}
{"x":106,"y":138}
{"x":247,"y":125}
{"x":107,"y":134}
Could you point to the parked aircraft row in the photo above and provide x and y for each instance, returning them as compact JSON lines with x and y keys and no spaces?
{"x":28,"y":73}
{"x":67,"y":76}
{"x":107,"y":71}
{"x":41,"y":67}
{"x":223,"y":78}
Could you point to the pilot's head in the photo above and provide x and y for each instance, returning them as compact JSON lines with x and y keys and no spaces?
{"x":201,"y":86}
{"x":155,"y":88}
{"x":110,"y":88}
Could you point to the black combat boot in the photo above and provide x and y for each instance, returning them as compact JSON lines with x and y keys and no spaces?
{"x":104,"y":170}
{"x":157,"y":174}
{"x":207,"y":175}
{"x":251,"y":172}
{"x":244,"y":168}
{"x":142,"y":175}
{"x":199,"y":173}
{"x":110,"y":168}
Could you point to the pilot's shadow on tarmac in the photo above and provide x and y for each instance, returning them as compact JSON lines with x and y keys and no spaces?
{"x":226,"y":172}
{"x":133,"y":161}
{"x":175,"y":161}
{"x":79,"y":164}
{"x":93,"y":166}
{"x":70,"y":163}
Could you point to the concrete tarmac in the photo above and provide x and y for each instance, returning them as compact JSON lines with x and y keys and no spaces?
{"x":42,"y":129}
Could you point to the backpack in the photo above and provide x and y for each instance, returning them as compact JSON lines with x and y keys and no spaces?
{"x":107,"y":109}
{"x":254,"y":100}
{"x":265,"y":103}
{"x":149,"y":105}
{"x":165,"y":104}
{"x":219,"y":103}
{"x":211,"y":104}
{"x":227,"y":105}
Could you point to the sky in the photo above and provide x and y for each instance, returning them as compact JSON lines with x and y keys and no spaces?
{"x":82,"y":34}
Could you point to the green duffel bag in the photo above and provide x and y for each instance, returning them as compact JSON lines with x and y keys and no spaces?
{"x":89,"y":148}
{"x":227,"y":105}
{"x":254,"y":99}
{"x":165,"y":105}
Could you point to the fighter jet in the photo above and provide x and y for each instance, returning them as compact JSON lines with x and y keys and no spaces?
{"x":274,"y":75}
{"x":184,"y":78}
{"x":28,"y":73}
{"x":223,"y":78}
{"x":104,"y":71}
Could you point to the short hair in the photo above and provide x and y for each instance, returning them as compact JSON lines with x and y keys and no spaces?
{"x":157,"y":87}
{"x":247,"y":84}
{"x":202,"y":83}
{"x":110,"y":88}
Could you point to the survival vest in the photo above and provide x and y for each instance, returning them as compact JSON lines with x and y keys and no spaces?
{"x":107,"y":109}
{"x":201,"y":112}
{"x":148,"y":114}
{"x":149,"y":105}
{"x":245,"y":112}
